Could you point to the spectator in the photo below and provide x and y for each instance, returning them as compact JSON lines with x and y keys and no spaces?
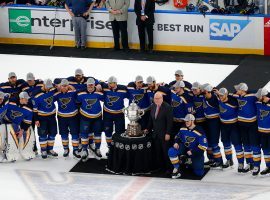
{"x":80,"y":12}
{"x":144,"y":10}
{"x":118,"y":14}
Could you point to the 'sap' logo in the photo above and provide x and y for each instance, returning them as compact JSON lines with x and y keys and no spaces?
{"x":225,"y":29}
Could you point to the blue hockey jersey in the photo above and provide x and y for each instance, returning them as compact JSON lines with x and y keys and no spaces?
{"x":43,"y":102}
{"x":194,"y":139}
{"x":3,"y":109}
{"x":139,"y":96}
{"x":246,"y":107}
{"x":181,"y":105}
{"x":211,"y":107}
{"x":197,"y":101}
{"x":31,"y":88}
{"x":78,"y":85}
{"x":187,"y":88}
{"x":228,"y":111}
{"x":19,"y":114}
{"x":166,"y":92}
{"x":263,"y":116}
{"x":67,"y":106}
{"x":13,"y":90}
{"x":90,"y":106}
{"x":114,"y":99}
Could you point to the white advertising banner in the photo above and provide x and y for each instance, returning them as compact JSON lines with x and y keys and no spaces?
{"x":172,"y":30}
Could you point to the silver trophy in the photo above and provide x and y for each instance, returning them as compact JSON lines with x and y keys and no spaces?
{"x":134,"y":113}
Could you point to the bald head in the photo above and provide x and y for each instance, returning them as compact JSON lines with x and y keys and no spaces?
{"x":158,"y":98}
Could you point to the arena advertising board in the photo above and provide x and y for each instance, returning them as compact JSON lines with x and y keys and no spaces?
{"x":172,"y":31}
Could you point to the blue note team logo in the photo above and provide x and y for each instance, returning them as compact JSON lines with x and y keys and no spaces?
{"x":225,"y":29}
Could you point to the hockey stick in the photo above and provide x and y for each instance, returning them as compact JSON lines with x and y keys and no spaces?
{"x":51,"y":47}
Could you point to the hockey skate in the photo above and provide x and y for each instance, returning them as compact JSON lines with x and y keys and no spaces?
{"x":255,"y":171}
{"x":92,"y":148}
{"x":76,"y":154}
{"x":84,"y":155}
{"x":176,"y":173}
{"x":266,"y":171}
{"x":52,"y":154}
{"x":66,"y":153}
{"x":240,"y":168}
{"x":98,"y":155}
{"x":248,"y":168}
{"x":44,"y":155}
{"x":229,"y":163}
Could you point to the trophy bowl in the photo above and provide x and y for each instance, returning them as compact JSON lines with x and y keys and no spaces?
{"x":134,"y":113}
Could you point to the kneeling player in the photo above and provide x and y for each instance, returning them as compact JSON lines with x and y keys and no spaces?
{"x":189,"y":141}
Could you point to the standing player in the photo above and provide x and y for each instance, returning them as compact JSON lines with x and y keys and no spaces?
{"x":44,"y":111}
{"x":263,"y":117}
{"x":30,"y":86}
{"x":247,"y":120}
{"x":181,"y":105}
{"x":91,"y":119}
{"x":113,"y":115}
{"x":211,"y":111}
{"x":13,"y":86}
{"x":137,"y":92}
{"x":153,"y":88}
{"x":228,"y":109}
{"x":67,"y":115}
{"x":179,"y":76}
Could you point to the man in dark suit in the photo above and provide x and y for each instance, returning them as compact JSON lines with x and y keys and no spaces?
{"x":144,"y":10}
{"x":160,"y":121}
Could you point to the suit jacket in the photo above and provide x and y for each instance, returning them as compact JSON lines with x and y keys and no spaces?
{"x":163,"y":123}
{"x":148,"y":11}
{"x":121,"y":5}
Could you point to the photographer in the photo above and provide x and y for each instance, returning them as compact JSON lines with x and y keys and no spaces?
{"x":80,"y":12}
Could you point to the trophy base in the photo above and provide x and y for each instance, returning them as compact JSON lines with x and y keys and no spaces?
{"x":134,"y":130}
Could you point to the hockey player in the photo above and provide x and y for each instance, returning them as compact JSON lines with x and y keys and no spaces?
{"x":248,"y":127}
{"x":197,"y":100}
{"x":153,"y":88}
{"x":31,"y":84}
{"x":44,"y":111}
{"x":179,"y":77}
{"x":211,"y":111}
{"x":91,"y":119}
{"x":137,"y":91}
{"x":181,"y":105}
{"x":19,"y":115}
{"x":263,"y":117}
{"x":3,"y":110}
{"x":114,"y":96}
{"x":78,"y":81}
{"x":67,"y":115}
{"x":191,"y":142}
{"x":228,"y":112}
{"x":4,"y":99}
{"x":13,"y":86}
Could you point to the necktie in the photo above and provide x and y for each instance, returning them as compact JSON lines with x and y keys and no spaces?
{"x":157,"y":111}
